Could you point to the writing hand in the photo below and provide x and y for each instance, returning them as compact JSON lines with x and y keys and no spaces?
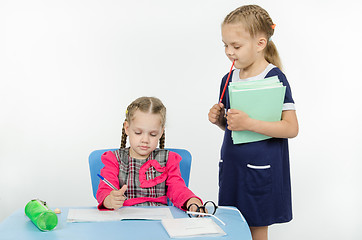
{"x":115,"y":199}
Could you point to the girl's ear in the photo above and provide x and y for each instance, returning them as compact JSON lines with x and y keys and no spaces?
{"x":126,"y":126}
{"x":261,"y":44}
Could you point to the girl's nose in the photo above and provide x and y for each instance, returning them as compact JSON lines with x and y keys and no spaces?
{"x":145,"y":139}
{"x":229,"y":52}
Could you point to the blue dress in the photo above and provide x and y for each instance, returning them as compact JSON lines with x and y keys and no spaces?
{"x":255,"y":177}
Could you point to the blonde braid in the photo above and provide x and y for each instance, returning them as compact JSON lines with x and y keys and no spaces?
{"x":162,"y":141}
{"x":124,"y":138}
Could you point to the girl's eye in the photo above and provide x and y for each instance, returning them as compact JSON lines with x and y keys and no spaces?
{"x":237,"y":47}
{"x":153,"y":135}
{"x":137,"y":133}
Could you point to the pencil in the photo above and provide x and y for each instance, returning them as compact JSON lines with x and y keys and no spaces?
{"x":109,"y":184}
{"x":226,"y":83}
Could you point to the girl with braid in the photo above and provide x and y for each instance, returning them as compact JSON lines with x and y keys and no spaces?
{"x":254,"y":177}
{"x":147,"y":175}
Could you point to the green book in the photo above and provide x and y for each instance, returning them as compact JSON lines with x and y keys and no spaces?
{"x":265,"y":81}
{"x":262,"y":101}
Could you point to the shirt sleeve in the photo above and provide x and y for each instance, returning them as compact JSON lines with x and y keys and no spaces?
{"x":177,"y":191}
{"x":288,"y":99}
{"x":110,"y":172}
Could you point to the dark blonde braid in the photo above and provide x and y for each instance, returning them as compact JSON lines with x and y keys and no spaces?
{"x":124,"y":138}
{"x":257,"y":20}
{"x":162,"y":141}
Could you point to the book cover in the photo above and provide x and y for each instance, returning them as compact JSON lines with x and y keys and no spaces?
{"x":262,"y":102}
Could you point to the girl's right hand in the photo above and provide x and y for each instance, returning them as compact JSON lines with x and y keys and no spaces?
{"x":216,"y":115}
{"x":115,"y":199}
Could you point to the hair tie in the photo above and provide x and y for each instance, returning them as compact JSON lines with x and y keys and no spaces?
{"x":273,"y":26}
{"x":126,"y":111}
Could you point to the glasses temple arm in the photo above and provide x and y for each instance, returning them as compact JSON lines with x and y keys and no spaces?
{"x":206,"y":214}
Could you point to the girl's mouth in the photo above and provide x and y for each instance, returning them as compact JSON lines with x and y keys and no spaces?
{"x":144,"y":147}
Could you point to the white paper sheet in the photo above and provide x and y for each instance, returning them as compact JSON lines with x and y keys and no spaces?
{"x":94,"y":215}
{"x":188,"y":227}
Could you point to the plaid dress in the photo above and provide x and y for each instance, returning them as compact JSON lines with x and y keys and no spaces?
{"x":143,"y":177}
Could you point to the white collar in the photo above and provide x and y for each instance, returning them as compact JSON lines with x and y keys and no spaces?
{"x":258,"y":77}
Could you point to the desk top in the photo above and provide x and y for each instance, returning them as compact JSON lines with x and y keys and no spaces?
{"x":18,"y":226}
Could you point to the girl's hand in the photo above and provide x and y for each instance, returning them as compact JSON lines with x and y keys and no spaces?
{"x":287,"y":127}
{"x":115,"y":199}
{"x":216,"y":115}
{"x":191,"y":202}
{"x":238,"y":120}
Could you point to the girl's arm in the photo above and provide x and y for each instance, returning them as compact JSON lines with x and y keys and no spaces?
{"x":110,"y":172}
{"x":287,"y":127}
{"x":177,"y":191}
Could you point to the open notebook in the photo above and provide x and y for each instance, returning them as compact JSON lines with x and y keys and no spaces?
{"x":192,"y":227}
{"x":94,"y":215}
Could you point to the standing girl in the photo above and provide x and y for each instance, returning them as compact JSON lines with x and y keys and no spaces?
{"x":254,"y":177}
{"x":149,"y":174}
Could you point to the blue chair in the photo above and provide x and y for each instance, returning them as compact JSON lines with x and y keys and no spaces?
{"x":95,"y":165}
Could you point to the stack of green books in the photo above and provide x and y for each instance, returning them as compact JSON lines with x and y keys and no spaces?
{"x":261,"y":99}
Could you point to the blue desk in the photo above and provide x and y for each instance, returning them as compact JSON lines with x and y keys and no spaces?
{"x":18,"y":226}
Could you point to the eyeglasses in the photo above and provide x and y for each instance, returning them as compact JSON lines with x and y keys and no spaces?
{"x":208,"y":209}
{"x":211,"y":207}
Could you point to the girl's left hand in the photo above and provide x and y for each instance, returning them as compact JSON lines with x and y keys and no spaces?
{"x":238,"y":120}
{"x":193,"y":201}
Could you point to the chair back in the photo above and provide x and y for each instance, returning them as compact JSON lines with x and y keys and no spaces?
{"x":95,"y":165}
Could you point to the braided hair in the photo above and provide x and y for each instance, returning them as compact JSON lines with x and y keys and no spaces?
{"x":148,"y":105}
{"x":257,"y":20}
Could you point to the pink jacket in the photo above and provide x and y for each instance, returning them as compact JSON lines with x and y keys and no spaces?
{"x":177,"y":191}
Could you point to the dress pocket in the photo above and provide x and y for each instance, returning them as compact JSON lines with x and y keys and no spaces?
{"x":258,"y":179}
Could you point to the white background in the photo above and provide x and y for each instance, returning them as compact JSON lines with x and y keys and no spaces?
{"x":68,"y":70}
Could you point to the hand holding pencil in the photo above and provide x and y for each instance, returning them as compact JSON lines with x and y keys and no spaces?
{"x":217,"y":115}
{"x":115,"y":199}
{"x":217,"y":112}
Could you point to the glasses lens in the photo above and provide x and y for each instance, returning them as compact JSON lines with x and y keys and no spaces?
{"x":193,"y":215}
{"x":210,"y":207}
{"x":193,"y":208}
